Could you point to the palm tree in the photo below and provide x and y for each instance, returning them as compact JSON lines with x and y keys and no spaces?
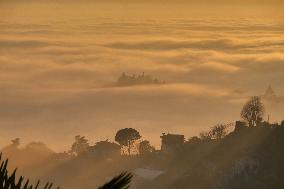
{"x":121,"y":181}
{"x":7,"y":181}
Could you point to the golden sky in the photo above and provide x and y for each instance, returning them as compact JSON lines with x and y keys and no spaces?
{"x":58,"y":62}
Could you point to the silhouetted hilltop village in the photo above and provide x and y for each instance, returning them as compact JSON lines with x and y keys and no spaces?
{"x":271,"y":97}
{"x":141,"y":79}
{"x":245,"y":154}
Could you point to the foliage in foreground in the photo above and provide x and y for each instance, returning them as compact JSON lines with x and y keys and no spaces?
{"x":121,"y":181}
{"x":7,"y":181}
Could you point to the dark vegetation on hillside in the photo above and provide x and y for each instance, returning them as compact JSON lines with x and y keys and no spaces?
{"x":249,"y":157}
{"x":247,"y":154}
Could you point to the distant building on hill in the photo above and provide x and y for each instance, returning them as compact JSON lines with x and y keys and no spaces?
{"x":171,"y":142}
{"x":142,"y":79}
{"x":240,"y":125}
{"x":270,"y":95}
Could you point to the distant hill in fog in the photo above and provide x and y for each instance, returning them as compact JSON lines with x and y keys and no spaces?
{"x":141,"y":79}
{"x":270,"y":96}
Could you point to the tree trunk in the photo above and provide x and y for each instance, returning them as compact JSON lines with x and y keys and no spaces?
{"x":129,"y":147}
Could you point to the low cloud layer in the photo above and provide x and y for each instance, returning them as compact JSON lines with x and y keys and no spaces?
{"x":56,"y":77}
{"x":217,"y":45}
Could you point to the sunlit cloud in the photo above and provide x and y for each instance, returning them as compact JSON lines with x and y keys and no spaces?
{"x":214,"y":66}
{"x":59,"y":77}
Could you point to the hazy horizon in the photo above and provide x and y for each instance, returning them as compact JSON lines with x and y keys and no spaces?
{"x":58,"y":62}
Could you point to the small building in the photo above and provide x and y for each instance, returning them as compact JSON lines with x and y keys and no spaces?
{"x":240,"y":125}
{"x":171,"y":142}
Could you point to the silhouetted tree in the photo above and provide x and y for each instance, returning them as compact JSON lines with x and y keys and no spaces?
{"x":193,"y":140}
{"x":253,"y":111}
{"x":15,"y":142}
{"x":205,"y":135}
{"x":127,"y":137}
{"x":80,"y":145}
{"x":145,"y":147}
{"x":219,"y":131}
{"x":105,"y":149}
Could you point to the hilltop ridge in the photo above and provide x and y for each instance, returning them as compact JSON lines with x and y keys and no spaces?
{"x":141,"y":79}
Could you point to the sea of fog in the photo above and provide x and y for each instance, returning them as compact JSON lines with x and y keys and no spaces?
{"x":57,"y":74}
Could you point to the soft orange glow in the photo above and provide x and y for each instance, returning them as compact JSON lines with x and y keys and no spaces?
{"x":58,"y":63}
